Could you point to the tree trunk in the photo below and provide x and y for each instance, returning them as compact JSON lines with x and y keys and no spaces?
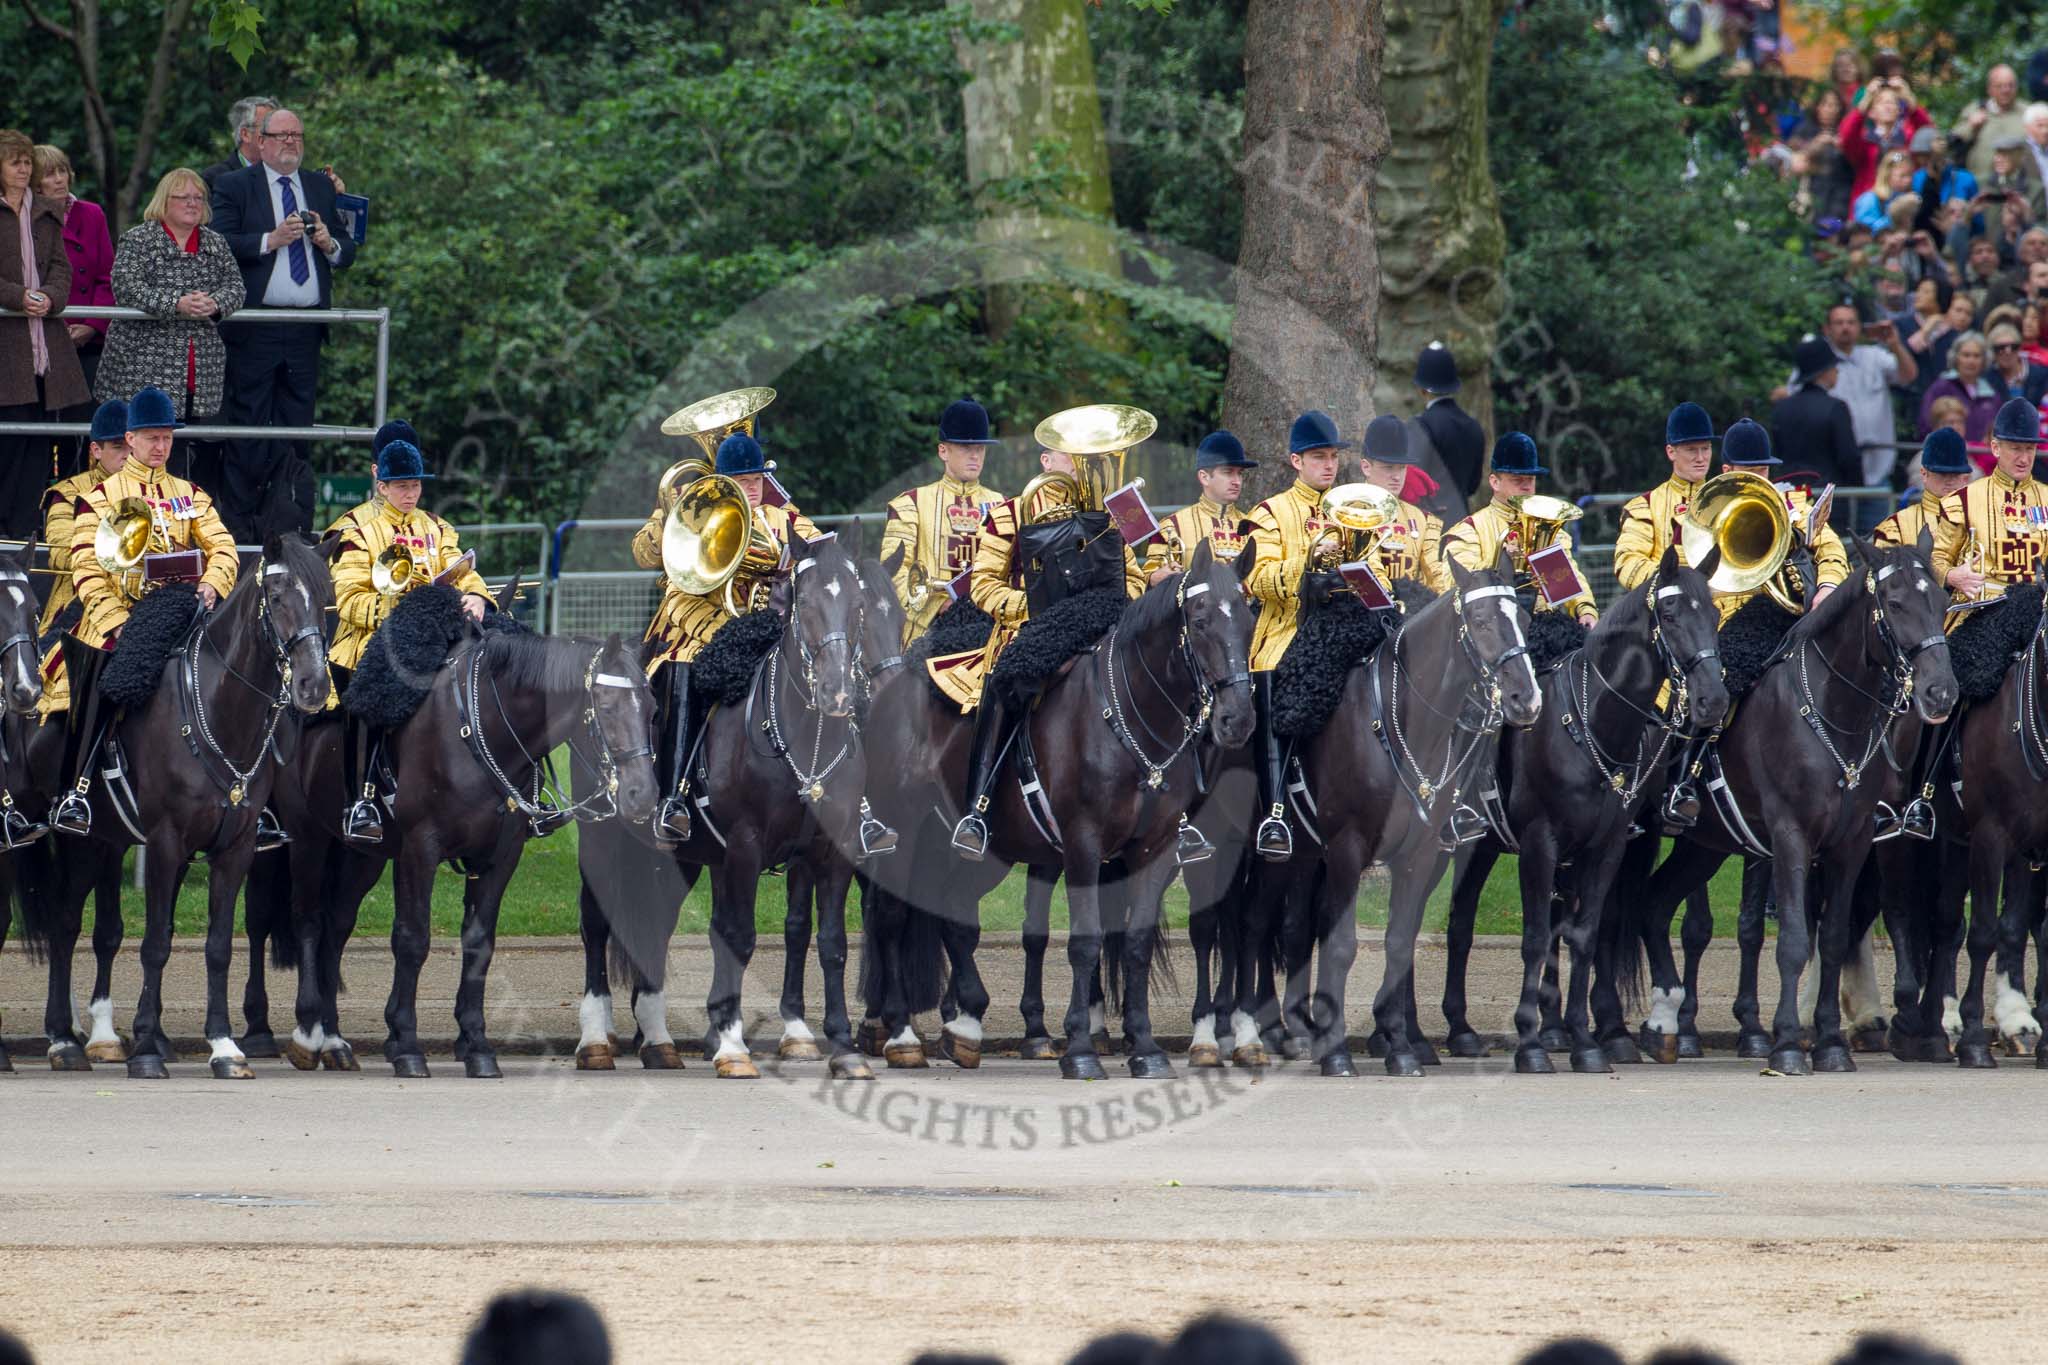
{"x":1308,"y":272}
{"x":176,"y":14}
{"x":1039,"y":88}
{"x":1441,"y":240}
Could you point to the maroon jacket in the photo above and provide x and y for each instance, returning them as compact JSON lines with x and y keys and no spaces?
{"x":92,"y":260}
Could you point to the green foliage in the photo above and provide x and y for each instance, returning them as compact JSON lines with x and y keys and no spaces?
{"x":234,"y":26}
{"x":1643,"y":266}
{"x":1931,"y":33}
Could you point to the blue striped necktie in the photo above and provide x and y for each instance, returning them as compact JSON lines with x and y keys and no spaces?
{"x":295,"y":254}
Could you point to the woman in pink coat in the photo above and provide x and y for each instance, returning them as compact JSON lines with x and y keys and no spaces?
{"x":90,"y":249}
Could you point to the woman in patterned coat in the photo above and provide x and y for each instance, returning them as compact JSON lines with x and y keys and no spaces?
{"x":179,"y":271}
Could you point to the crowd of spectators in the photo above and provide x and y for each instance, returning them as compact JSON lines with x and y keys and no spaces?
{"x":258,"y":229}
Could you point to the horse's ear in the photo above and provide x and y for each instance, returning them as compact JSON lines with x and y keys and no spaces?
{"x":1246,"y":557}
{"x":778,"y":596}
{"x":330,"y":546}
{"x":1503,"y":561}
{"x":850,"y":538}
{"x":1925,"y":544}
{"x":799,"y":548}
{"x":273,"y":547}
{"x":1202,"y":559}
{"x":1668,"y":565}
{"x":1712,"y":562}
{"x":893,"y":560}
{"x":1861,"y":551}
{"x":613,"y":644}
{"x":1460,"y":575}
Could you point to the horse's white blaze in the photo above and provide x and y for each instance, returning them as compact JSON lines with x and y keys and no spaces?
{"x":594,"y":1016}
{"x":2014,"y":1014}
{"x":1862,"y":1002}
{"x":730,"y":1042}
{"x":225,"y":1047}
{"x":1664,"y":1008}
{"x":316,"y":1041}
{"x":797,"y":1031}
{"x":1205,"y":1032}
{"x":965,"y":1027}
{"x":102,"y":1013}
{"x":650,"y":1012}
{"x":1951,"y":1019}
{"x":907,"y":1037}
{"x":1244,"y":1030}
{"x":1098,"y":1019}
{"x":1224,"y":607}
{"x":833,"y":587}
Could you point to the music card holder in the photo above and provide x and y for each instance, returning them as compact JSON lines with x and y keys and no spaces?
{"x":773,"y":494}
{"x":1552,"y":569}
{"x":956,"y":586}
{"x":1817,"y":515}
{"x":1133,"y":517}
{"x":464,"y":562}
{"x":174,"y":566}
{"x":1359,"y":577}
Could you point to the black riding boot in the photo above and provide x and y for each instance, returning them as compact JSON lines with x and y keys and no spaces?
{"x":86,"y":728}
{"x":992,"y":725}
{"x":1274,"y":840}
{"x":672,"y":820}
{"x":364,"y":821}
{"x":1682,"y":801}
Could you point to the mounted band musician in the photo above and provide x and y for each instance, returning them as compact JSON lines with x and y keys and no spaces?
{"x":107,"y":448}
{"x":389,"y":546}
{"x":1220,"y":463}
{"x":932,"y":530}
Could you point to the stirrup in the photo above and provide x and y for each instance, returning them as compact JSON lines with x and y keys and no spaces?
{"x":548,"y":819}
{"x":1917,"y":820}
{"x":970,"y":837}
{"x":72,"y":814}
{"x":362,"y":824}
{"x":876,"y":838}
{"x":269,"y":834}
{"x":1189,"y":845}
{"x":1465,"y":826}
{"x":672,"y":820}
{"x":1274,"y":840}
{"x":17,"y":830}
{"x":1682,"y":805}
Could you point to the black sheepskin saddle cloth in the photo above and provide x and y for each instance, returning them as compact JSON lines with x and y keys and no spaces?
{"x":1552,"y":635}
{"x":157,"y":627}
{"x":956,"y":630}
{"x":1331,"y":639}
{"x":1750,"y":640}
{"x":406,"y":653}
{"x":1984,"y":644}
{"x":724,"y":669}
{"x":1045,"y":643}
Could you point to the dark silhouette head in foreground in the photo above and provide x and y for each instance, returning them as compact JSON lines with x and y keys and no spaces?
{"x":1573,"y":1351}
{"x":1883,"y":1349}
{"x":1220,"y":1340}
{"x":538,"y":1327}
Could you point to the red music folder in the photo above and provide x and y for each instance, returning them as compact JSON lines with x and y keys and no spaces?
{"x":773,"y":494}
{"x":956,"y":586}
{"x":174,"y":566}
{"x":1358,"y":575}
{"x":1555,"y":579}
{"x":1133,"y":518}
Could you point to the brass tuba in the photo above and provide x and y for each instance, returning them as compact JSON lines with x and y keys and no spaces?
{"x":1743,"y":515}
{"x":1540,"y":519}
{"x":707,"y":422}
{"x":710,"y":534}
{"x":1097,"y":438}
{"x":392,"y":572}
{"x":123,"y":535}
{"x":1362,"y":512}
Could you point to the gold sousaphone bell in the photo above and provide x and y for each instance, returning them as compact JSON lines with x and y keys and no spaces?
{"x":1743,"y":515}
{"x":711,"y":532}
{"x":1540,"y":520}
{"x":707,"y":422}
{"x":1096,"y":438}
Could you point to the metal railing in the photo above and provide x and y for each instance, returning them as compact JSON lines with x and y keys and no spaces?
{"x":210,"y":432}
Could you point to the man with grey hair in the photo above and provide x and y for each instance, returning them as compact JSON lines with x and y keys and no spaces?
{"x":245,"y":116}
{"x":1989,"y":121}
{"x":2035,"y":159}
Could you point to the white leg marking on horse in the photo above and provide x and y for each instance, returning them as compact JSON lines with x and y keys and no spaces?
{"x":1244,"y":1030}
{"x":333,"y":1042}
{"x":796,"y":1030}
{"x":730,"y":1042}
{"x":650,"y":1012}
{"x":1098,"y":1019}
{"x":1951,"y":1019}
{"x":225,"y":1047}
{"x":77,"y":1019}
{"x":1664,"y":1008}
{"x":316,"y":1041}
{"x":102,"y":1012}
{"x":594,"y":1016}
{"x":1809,"y":994}
{"x":965,"y":1027}
{"x":1205,"y":1032}
{"x":1862,"y":1005}
{"x":2015,"y":1015}
{"x":907,"y":1038}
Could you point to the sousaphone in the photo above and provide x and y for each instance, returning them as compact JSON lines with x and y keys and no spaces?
{"x":707,"y":422}
{"x":1743,"y":515}
{"x":1096,"y":437}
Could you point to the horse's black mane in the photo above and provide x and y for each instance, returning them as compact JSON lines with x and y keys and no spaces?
{"x":1152,"y":607}
{"x":537,"y":663}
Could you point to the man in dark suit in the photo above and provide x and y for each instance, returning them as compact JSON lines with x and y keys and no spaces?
{"x":1453,"y":448}
{"x":1812,"y":428}
{"x":281,"y":226}
{"x":245,"y":116}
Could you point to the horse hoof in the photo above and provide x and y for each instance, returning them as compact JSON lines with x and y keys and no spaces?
{"x":1909,"y":1047}
{"x":1082,"y":1066}
{"x":964,"y":1053}
{"x":6,"y":1063}
{"x":660,"y":1057}
{"x":69,"y":1057}
{"x":1621,"y":1051}
{"x":1753,"y":1047}
{"x":147,"y":1066}
{"x":1690,"y":1048}
{"x":339,"y":1056}
{"x":1403,"y":1064}
{"x":1467,"y":1044}
{"x":108,"y":1050}
{"x":873,"y":1037}
{"x":596,"y":1057}
{"x":1104,"y":1045}
{"x":300,"y":1056}
{"x":1590,"y":1061}
{"x":1874,"y":1039}
{"x":1534,"y":1061}
{"x":902,"y":1056}
{"x":798,"y":1050}
{"x":1252,"y":1056}
{"x":1425,"y":1052}
{"x":262,"y":1044}
{"x":1790,"y":1061}
{"x":482,"y":1066}
{"x":1205,"y":1055}
{"x":1295,"y":1048}
{"x":1039,"y":1049}
{"x":410,"y":1067}
{"x":2041,"y":1056}
{"x":1833,"y":1059}
{"x":738,"y":1067}
{"x":1555,"y":1039}
{"x":1975,"y":1056}
{"x":231,"y":1069}
{"x":1338,"y":1064}
{"x":1151,"y":1066}
{"x":851,"y":1066}
{"x":1666,"y":1049}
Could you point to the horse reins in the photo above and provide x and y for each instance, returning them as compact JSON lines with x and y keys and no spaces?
{"x":541,"y":814}
{"x":810,"y":786}
{"x":1193,"y":718}
{"x":1899,"y":670}
{"x":1675,"y":723}
{"x":1421,"y":789}
{"x":198,"y":728}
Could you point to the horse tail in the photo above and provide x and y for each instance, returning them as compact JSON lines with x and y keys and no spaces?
{"x":36,"y":897}
{"x":267,"y":907}
{"x":1622,"y":921}
{"x":924,"y":958}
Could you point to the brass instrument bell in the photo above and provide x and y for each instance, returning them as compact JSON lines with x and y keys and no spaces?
{"x":123,"y":535}
{"x":392,"y":572}
{"x":710,"y":420}
{"x":1096,"y":438}
{"x":1360,"y":514}
{"x":1743,"y":515}
{"x":1540,"y":519}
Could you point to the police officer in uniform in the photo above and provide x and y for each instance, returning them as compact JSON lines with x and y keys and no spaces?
{"x":1476,"y":541}
{"x":936,"y":527}
{"x":1992,"y":534}
{"x":1220,"y":463}
{"x":181,"y":518}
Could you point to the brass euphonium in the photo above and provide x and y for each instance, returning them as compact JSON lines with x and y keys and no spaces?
{"x":123,"y":535}
{"x":1743,"y":515}
{"x":710,"y":535}
{"x":392,"y":572}
{"x":1361,"y":513}
{"x":707,"y":422}
{"x":1096,"y":438}
{"x":1540,"y":519}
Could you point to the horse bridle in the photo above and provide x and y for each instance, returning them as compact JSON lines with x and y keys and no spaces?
{"x":543,"y":815}
{"x":810,"y":786}
{"x":1422,"y":789}
{"x":1194,"y":717}
{"x":1899,"y":670}
{"x":21,"y":639}
{"x":198,"y":729}
{"x":1675,"y":722}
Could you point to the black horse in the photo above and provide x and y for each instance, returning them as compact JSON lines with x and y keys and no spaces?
{"x":198,"y":762}
{"x":1378,"y":784}
{"x":1576,"y":783}
{"x":1795,"y":783}
{"x":1117,"y":741}
{"x":774,"y":771}
{"x":23,"y":803}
